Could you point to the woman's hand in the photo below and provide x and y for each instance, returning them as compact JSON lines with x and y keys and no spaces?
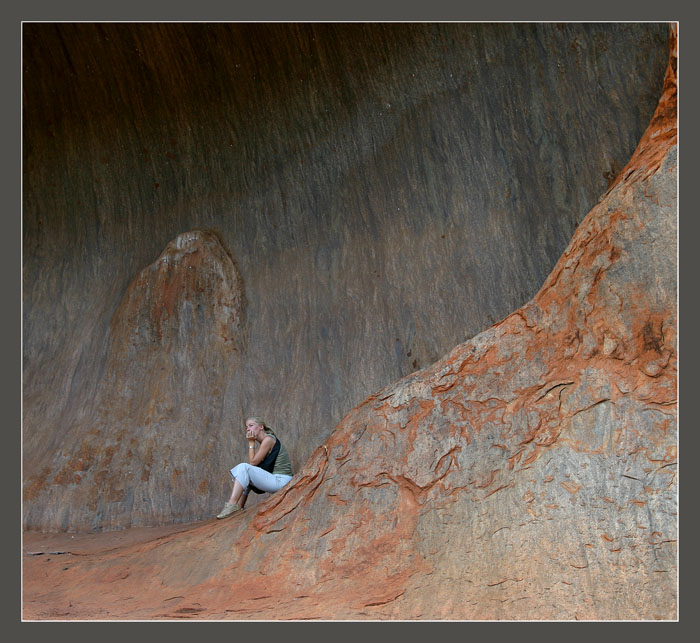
{"x":255,"y":458}
{"x":251,"y":435}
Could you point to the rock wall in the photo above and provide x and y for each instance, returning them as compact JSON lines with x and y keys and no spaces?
{"x":528,"y":474}
{"x":362,"y":198}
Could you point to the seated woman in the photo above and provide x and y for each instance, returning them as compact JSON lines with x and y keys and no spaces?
{"x":268,"y":469}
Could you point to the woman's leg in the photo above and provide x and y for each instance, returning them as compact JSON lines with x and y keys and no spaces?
{"x":243,"y":475}
{"x":267,"y":481}
{"x":241,"y":482}
{"x":246,"y":474}
{"x":236,"y":493}
{"x":239,"y":494}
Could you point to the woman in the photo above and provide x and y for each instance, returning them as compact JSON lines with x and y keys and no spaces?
{"x":268,"y":468}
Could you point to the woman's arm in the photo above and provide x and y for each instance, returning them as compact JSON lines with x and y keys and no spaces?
{"x":256,"y":457}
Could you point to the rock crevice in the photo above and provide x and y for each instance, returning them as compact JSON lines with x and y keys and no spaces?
{"x":530,"y":473}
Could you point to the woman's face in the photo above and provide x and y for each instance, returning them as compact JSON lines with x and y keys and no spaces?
{"x":253,"y":429}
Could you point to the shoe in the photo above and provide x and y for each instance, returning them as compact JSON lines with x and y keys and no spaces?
{"x":228,"y":509}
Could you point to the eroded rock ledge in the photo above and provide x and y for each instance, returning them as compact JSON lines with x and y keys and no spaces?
{"x":529,"y":474}
{"x":386,"y":192}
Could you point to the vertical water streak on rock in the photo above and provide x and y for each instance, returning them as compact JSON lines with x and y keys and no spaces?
{"x":388,"y":191}
{"x":529,"y":473}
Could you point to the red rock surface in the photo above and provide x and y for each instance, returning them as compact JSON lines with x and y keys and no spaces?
{"x":385,"y":192}
{"x":529,"y":474}
{"x":152,"y":437}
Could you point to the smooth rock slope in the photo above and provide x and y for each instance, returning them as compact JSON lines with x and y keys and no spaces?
{"x":528,"y":474}
{"x":375,"y":194}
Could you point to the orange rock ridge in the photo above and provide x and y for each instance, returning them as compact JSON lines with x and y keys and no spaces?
{"x":432,"y":498}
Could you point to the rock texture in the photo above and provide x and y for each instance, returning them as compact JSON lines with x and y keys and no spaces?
{"x":153,"y":438}
{"x":528,"y":474}
{"x":385,"y":191}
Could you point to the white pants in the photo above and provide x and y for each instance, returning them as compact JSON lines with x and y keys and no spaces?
{"x":247,"y":473}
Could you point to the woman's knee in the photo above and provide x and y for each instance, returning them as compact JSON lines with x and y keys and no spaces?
{"x":240,"y":470}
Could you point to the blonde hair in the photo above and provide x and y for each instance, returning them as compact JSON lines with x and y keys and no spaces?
{"x":258,"y":420}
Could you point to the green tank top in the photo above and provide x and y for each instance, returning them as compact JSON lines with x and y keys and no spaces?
{"x":283,"y":464}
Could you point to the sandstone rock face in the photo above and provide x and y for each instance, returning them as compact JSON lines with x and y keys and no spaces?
{"x":528,"y":474}
{"x":154,"y":434}
{"x":386,"y":192}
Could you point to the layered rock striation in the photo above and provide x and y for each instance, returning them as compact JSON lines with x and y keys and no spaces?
{"x":528,"y":474}
{"x":385,"y":192}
